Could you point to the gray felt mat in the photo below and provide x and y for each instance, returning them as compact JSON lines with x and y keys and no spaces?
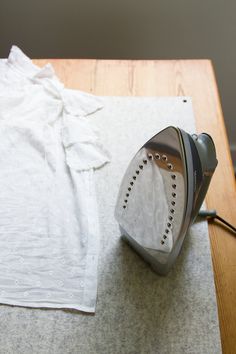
{"x":137,"y":310}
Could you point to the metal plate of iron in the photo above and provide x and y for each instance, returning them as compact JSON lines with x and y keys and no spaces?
{"x":152,"y":199}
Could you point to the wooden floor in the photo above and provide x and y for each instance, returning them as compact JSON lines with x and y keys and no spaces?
{"x":193,"y":78}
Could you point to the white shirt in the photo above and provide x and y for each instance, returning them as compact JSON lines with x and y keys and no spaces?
{"x":49,"y":232}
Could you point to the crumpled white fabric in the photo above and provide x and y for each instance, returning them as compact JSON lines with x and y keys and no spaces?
{"x":49,"y":230}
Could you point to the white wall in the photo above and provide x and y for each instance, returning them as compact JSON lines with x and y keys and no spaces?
{"x":129,"y":29}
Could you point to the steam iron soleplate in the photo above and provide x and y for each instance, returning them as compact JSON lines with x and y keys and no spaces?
{"x":159,"y":195}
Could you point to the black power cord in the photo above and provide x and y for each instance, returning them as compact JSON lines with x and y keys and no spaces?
{"x":212,"y":214}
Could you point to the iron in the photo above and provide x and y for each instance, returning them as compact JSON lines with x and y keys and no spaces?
{"x":161,"y":193}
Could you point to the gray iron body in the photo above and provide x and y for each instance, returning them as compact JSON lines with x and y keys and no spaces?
{"x":161,"y":193}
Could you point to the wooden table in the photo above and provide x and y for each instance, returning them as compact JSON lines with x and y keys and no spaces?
{"x":193,"y":78}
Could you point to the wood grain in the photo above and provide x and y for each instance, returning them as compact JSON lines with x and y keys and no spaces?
{"x":193,"y":78}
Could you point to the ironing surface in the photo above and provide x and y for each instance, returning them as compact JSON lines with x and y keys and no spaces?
{"x":137,"y":310}
{"x":172,"y":314}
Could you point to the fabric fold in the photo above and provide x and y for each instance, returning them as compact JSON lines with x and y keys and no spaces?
{"x":75,"y":102}
{"x":82,"y":145}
